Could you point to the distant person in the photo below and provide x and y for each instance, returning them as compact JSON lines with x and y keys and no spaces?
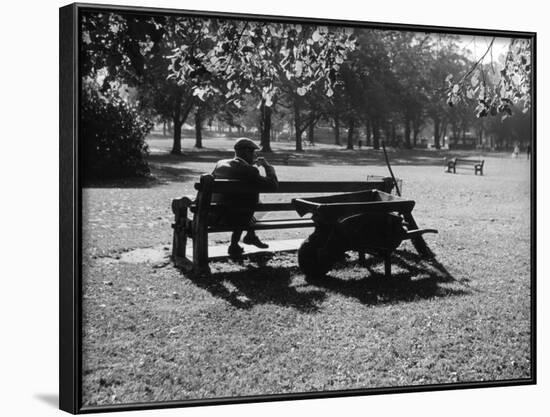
{"x":515,"y":154}
{"x":528,"y":150}
{"x":240,"y":207}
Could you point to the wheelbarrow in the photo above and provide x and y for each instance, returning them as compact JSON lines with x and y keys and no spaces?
{"x":372,"y":222}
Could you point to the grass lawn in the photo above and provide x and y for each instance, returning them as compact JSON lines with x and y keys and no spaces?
{"x":151,"y":333}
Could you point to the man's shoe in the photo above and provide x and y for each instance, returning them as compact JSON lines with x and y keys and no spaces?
{"x":254,"y":240}
{"x":235,"y":250}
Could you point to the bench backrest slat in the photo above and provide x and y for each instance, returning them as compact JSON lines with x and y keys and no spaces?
{"x":236,"y":186}
{"x":469,"y":161}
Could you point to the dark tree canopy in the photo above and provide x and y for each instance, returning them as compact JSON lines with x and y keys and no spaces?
{"x":397,"y":86}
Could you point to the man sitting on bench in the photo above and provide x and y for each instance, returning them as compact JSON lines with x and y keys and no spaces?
{"x":242,"y":167}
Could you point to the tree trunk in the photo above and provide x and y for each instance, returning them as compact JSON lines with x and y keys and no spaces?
{"x":337,"y":130}
{"x":393,"y":134}
{"x":375,"y":135}
{"x":456,"y":133}
{"x":297,"y":129}
{"x":265,"y":130}
{"x":179,"y":118}
{"x":310,"y":132}
{"x":416,"y":131}
{"x":368,"y":132}
{"x":298,"y":135}
{"x":437,"y":123}
{"x":387,"y":132}
{"x":176,"y":146}
{"x":480,"y":135}
{"x":443,"y":132}
{"x":198,"y":128}
{"x":351,"y":131}
{"x":407,"y":133}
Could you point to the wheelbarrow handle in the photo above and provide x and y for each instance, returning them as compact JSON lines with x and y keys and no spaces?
{"x":418,"y":232}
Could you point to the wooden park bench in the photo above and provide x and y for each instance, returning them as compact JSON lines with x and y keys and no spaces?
{"x":476,"y":164}
{"x":197,"y":228}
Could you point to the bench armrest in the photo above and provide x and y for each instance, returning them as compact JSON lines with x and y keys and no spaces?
{"x":181,"y":203}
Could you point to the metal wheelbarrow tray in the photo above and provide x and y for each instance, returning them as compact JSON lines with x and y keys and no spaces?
{"x":370,"y":221}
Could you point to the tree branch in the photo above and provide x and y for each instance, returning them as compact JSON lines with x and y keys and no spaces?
{"x":479,"y":61}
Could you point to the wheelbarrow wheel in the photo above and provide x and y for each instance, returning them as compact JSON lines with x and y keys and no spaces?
{"x":310,"y":261}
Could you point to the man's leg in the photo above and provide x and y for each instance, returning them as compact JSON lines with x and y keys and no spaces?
{"x":252,"y":239}
{"x":234,"y":248}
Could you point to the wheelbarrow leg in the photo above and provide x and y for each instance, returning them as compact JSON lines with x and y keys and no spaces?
{"x":387,"y":265}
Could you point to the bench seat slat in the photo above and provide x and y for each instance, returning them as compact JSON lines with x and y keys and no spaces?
{"x":269,"y":225}
{"x":259,"y":208}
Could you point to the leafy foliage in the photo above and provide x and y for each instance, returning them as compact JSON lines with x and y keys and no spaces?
{"x":133,"y":49}
{"x":496,"y":93}
{"x":266,"y":60}
{"x":252,"y":56}
{"x":113,"y":136}
{"x":394,"y":83}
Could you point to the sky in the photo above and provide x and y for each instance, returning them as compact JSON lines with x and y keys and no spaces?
{"x":478,"y":45}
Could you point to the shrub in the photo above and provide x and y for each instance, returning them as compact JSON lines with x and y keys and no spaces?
{"x":112,"y":135}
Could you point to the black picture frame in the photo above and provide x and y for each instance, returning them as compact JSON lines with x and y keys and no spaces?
{"x":70,"y":205}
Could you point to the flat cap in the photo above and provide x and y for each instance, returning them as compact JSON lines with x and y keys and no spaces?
{"x":245,"y":143}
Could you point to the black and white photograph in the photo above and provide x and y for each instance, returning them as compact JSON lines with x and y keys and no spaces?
{"x":289,"y":208}
{"x":274,"y":208}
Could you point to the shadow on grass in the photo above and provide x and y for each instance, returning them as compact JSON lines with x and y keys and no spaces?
{"x":211,"y":156}
{"x":161,"y":174}
{"x":166,"y":167}
{"x":259,"y":283}
{"x":311,"y":156}
{"x":415,"y":279}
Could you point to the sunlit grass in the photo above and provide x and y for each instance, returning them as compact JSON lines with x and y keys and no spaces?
{"x":152,"y":333}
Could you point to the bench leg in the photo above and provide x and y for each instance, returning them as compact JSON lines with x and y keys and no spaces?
{"x":200,"y":226}
{"x":179,"y":246}
{"x":179,"y":238}
{"x":200,"y":253}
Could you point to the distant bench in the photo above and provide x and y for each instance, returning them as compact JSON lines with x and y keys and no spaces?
{"x":476,"y":164}
{"x":197,"y":228}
